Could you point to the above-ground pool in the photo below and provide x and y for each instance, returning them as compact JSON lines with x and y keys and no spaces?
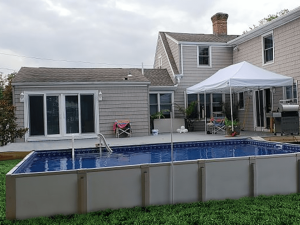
{"x":44,"y":161}
{"x":50,"y":182}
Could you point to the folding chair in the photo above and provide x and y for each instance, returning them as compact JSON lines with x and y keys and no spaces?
{"x":219,"y":124}
{"x":122,"y":127}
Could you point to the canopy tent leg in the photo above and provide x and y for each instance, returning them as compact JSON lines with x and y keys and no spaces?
{"x":259,"y":110}
{"x":231,"y":110}
{"x":205,"y":130}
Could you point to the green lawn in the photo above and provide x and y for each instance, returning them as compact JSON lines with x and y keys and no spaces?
{"x":277,"y":209}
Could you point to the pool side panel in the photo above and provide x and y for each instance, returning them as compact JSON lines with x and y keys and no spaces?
{"x":113,"y":189}
{"x":276,"y":174}
{"x":185,"y":182}
{"x":227,"y":179}
{"x":46,"y":195}
{"x":160,"y":184}
{"x":10,"y":197}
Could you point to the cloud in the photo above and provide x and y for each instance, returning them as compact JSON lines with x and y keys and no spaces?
{"x":110,"y":33}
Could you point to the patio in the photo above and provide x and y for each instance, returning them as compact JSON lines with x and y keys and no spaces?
{"x":161,"y":138}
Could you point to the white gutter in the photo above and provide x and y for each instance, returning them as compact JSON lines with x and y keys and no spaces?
{"x":165,"y":88}
{"x":219,"y":44}
{"x":124,"y":83}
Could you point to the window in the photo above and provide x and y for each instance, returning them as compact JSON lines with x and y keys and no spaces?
{"x":161,"y":102}
{"x":268,"y":48}
{"x":291,"y":93}
{"x":241,"y":101}
{"x":217,"y":103}
{"x":61,"y":114}
{"x":213,"y":104}
{"x":203,"y":56}
{"x":193,"y":98}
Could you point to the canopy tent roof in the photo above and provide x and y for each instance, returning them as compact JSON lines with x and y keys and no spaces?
{"x":239,"y":77}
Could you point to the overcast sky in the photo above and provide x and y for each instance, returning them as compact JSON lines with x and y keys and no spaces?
{"x":111,"y":33}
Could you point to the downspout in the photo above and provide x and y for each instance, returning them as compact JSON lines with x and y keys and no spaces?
{"x":181,"y":56}
{"x":296,"y":90}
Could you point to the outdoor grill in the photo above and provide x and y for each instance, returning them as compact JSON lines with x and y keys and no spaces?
{"x":287,"y":118}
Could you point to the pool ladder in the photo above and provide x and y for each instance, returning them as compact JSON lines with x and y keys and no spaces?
{"x":102,"y":138}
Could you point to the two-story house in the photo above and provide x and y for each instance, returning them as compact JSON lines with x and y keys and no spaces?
{"x":55,"y":103}
{"x":191,"y":58}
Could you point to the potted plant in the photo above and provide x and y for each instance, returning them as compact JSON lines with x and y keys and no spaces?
{"x":158,"y":115}
{"x":226,"y":109}
{"x":188,"y":112}
{"x":236,"y":126}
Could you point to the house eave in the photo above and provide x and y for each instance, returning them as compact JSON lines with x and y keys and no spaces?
{"x":220,"y":44}
{"x":51,"y":84}
{"x":292,"y":15}
{"x":163,"y":88}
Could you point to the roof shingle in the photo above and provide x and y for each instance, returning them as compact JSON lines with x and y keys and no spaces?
{"x":43,"y":74}
{"x":186,"y":37}
{"x":157,"y":77}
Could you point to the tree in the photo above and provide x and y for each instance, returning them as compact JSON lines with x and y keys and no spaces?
{"x":9,"y":130}
{"x":269,"y":18}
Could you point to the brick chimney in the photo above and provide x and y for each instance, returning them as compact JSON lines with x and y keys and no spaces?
{"x":219,"y":21}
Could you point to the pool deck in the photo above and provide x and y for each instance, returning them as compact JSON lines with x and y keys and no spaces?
{"x":161,"y":138}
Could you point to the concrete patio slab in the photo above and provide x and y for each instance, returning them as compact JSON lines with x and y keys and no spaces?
{"x":161,"y":138}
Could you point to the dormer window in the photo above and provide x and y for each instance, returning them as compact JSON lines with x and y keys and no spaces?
{"x":268,"y":48}
{"x":203,"y":56}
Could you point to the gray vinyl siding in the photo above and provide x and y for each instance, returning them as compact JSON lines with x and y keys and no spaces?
{"x":175,"y":52}
{"x":246,"y":115}
{"x":125,"y":103}
{"x":160,"y":51}
{"x":119,"y":103}
{"x":286,"y":51}
{"x":192,"y":74}
{"x":19,"y":111}
{"x":286,"y":54}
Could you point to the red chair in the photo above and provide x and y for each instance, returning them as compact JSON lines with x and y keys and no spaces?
{"x":122,"y":127}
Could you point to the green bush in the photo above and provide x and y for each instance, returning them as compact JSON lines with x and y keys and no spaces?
{"x":9,"y":130}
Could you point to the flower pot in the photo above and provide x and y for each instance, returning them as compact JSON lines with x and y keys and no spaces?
{"x":237,"y":130}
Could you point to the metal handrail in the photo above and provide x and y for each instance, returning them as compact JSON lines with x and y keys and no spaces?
{"x":101,"y":136}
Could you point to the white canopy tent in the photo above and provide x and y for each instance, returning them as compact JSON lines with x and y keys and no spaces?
{"x":240,"y":77}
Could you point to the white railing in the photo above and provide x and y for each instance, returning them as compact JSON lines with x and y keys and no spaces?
{"x":102,"y":138}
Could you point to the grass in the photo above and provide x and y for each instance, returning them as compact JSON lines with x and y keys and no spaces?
{"x":277,"y":209}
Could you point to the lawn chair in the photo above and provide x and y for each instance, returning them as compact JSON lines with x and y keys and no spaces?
{"x":218,"y":124}
{"x":122,"y":127}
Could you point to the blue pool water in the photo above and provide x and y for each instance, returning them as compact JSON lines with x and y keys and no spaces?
{"x":41,"y":161}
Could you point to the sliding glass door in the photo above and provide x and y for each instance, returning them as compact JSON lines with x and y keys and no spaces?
{"x":87,"y":113}
{"x":72,"y":115}
{"x":61,"y":114}
{"x":52,"y":107}
{"x":36,"y":110}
